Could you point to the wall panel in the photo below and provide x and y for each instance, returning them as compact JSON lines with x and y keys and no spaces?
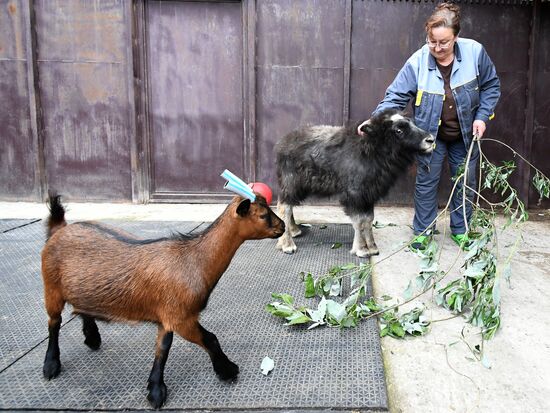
{"x":195,"y":58}
{"x":299,"y":69}
{"x":83,"y":67}
{"x":18,"y":145}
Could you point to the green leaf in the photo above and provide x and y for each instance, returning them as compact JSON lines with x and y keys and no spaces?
{"x":297,"y":318}
{"x":477,"y":269}
{"x":335,"y":288}
{"x":286,"y":298}
{"x":310,"y":286}
{"x":397,"y":330}
{"x":372,"y":305}
{"x":279,"y":310}
{"x":318,"y":316}
{"x":348,"y":321}
{"x":351,"y":300}
{"x":428,"y":266}
{"x":336,"y":245}
{"x":336,"y":311}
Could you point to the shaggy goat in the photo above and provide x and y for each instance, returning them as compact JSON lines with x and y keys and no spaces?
{"x":357,"y":164}
{"x":108,"y":274}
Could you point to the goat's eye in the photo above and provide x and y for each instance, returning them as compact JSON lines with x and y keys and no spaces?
{"x":399,"y":131}
{"x":267,"y":217}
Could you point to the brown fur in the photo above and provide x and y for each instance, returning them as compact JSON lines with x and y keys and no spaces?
{"x":109,"y":274}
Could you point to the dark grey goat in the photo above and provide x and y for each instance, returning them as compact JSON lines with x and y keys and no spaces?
{"x":358,"y":164}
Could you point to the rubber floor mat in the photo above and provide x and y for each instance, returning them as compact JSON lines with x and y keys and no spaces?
{"x":323,"y":368}
{"x":11,"y":224}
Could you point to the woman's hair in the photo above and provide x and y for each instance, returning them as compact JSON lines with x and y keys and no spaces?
{"x":444,"y":15}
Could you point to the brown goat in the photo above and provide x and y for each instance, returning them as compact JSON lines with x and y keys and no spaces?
{"x":108,"y":274}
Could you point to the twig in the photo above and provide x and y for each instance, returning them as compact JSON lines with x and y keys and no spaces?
{"x":427,"y":228}
{"x":448,"y":318}
{"x":465,"y":179}
{"x":515,"y":153}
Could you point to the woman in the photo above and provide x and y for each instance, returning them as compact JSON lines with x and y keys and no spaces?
{"x":456,"y":89}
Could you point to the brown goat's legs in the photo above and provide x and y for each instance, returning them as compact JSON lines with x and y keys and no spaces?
{"x":52,"y":364}
{"x":224,"y":368}
{"x":91,"y":332}
{"x":157,"y":388}
{"x":54,"y":307}
{"x":195,"y":333}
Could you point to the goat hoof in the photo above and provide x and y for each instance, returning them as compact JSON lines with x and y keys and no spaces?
{"x":355,"y":250}
{"x":286,"y":245}
{"x":51,"y":369}
{"x":227,"y":371}
{"x":361,"y":253}
{"x":157,"y":394}
{"x":93,"y":342}
{"x":374,"y":251}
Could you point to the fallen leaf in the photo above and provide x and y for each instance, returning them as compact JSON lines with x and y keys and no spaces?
{"x":267,"y":365}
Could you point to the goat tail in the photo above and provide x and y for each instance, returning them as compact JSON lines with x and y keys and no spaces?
{"x":56,"y":220}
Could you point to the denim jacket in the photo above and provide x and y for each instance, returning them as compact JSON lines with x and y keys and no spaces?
{"x":474,"y":84}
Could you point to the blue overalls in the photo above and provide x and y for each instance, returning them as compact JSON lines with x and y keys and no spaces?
{"x":476,"y":90}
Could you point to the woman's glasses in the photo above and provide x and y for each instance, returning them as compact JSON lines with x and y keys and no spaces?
{"x":445,"y":44}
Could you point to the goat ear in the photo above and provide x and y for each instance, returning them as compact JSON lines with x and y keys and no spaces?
{"x":243,"y":207}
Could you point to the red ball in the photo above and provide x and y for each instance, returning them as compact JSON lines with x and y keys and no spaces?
{"x":263,"y":190}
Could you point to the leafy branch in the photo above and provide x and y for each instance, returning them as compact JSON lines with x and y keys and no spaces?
{"x":476,"y":293}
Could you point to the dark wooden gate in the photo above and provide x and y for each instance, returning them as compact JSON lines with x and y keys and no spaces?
{"x":149,"y":100}
{"x":195,"y":67}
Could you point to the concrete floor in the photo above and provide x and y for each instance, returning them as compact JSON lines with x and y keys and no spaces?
{"x":434,"y":373}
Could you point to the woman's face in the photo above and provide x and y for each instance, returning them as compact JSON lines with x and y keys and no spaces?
{"x":441,"y":41}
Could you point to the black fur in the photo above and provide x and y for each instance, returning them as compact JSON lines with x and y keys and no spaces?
{"x":359,"y":170}
{"x":224,"y":368}
{"x":157,"y":389}
{"x":119,"y":237}
{"x":57,"y":214}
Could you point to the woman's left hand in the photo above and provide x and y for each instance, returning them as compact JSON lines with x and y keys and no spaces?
{"x":479,"y":128}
